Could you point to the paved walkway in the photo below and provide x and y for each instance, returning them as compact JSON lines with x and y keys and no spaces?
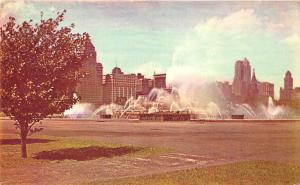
{"x":73,"y":172}
{"x":194,"y":145}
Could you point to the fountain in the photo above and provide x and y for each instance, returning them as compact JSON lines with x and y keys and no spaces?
{"x":243,"y":109}
{"x":181,"y":101}
{"x":79,"y":110}
{"x":272,"y":111}
{"x":213,"y":111}
{"x":105,"y":110}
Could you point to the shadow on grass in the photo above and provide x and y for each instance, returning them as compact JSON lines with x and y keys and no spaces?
{"x":18,"y":141}
{"x":85,"y":153}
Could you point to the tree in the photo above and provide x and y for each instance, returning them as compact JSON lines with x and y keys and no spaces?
{"x":39,"y":70}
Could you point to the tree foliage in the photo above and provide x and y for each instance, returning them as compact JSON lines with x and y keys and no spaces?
{"x":40,"y":68}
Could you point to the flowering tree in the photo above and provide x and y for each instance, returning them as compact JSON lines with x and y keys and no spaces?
{"x":39,"y":70}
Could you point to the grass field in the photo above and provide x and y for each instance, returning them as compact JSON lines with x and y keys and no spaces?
{"x":243,"y":173}
{"x":46,"y":149}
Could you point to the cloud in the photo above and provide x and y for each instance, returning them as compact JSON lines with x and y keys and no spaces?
{"x":20,"y":9}
{"x":213,"y":45}
{"x":238,"y":22}
{"x":24,"y":10}
{"x":148,"y":69}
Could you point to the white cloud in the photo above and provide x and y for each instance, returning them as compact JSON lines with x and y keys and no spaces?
{"x":291,"y":19}
{"x":215,"y":44}
{"x":237,"y":22}
{"x":148,"y":69}
{"x":19,"y":9}
{"x":24,"y":10}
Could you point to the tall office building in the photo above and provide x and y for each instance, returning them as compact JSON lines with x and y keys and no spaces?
{"x":90,"y":89}
{"x":286,"y":93}
{"x":242,"y":78}
{"x":253,"y":89}
{"x":288,"y":81}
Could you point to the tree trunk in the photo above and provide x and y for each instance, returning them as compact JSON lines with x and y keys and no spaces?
{"x":24,"y":132}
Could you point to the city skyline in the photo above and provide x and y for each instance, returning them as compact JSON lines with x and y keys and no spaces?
{"x":118,"y":87}
{"x":188,"y":39}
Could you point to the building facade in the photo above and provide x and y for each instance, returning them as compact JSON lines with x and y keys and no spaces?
{"x":266,"y":89}
{"x":143,"y":85}
{"x":297,"y":94}
{"x":286,"y":93}
{"x":253,"y":89}
{"x":159,"y":81}
{"x":90,"y":88}
{"x":242,"y":78}
{"x":119,"y":87}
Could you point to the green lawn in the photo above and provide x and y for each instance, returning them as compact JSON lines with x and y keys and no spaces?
{"x":243,"y":173}
{"x":11,"y":156}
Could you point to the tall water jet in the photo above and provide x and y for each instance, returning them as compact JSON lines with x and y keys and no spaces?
{"x":272,"y":111}
{"x":213,"y":110}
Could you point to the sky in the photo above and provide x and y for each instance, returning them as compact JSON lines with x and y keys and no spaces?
{"x":189,"y":41}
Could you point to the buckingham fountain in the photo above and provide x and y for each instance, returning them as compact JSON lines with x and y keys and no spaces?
{"x":161,"y":105}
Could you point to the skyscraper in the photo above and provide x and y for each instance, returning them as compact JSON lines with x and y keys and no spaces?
{"x":288,"y":81}
{"x":286,"y":93}
{"x":242,"y":78}
{"x":253,"y":90}
{"x":90,"y":89}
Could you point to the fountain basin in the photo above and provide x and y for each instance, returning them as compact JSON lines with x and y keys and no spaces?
{"x":169,"y":116}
